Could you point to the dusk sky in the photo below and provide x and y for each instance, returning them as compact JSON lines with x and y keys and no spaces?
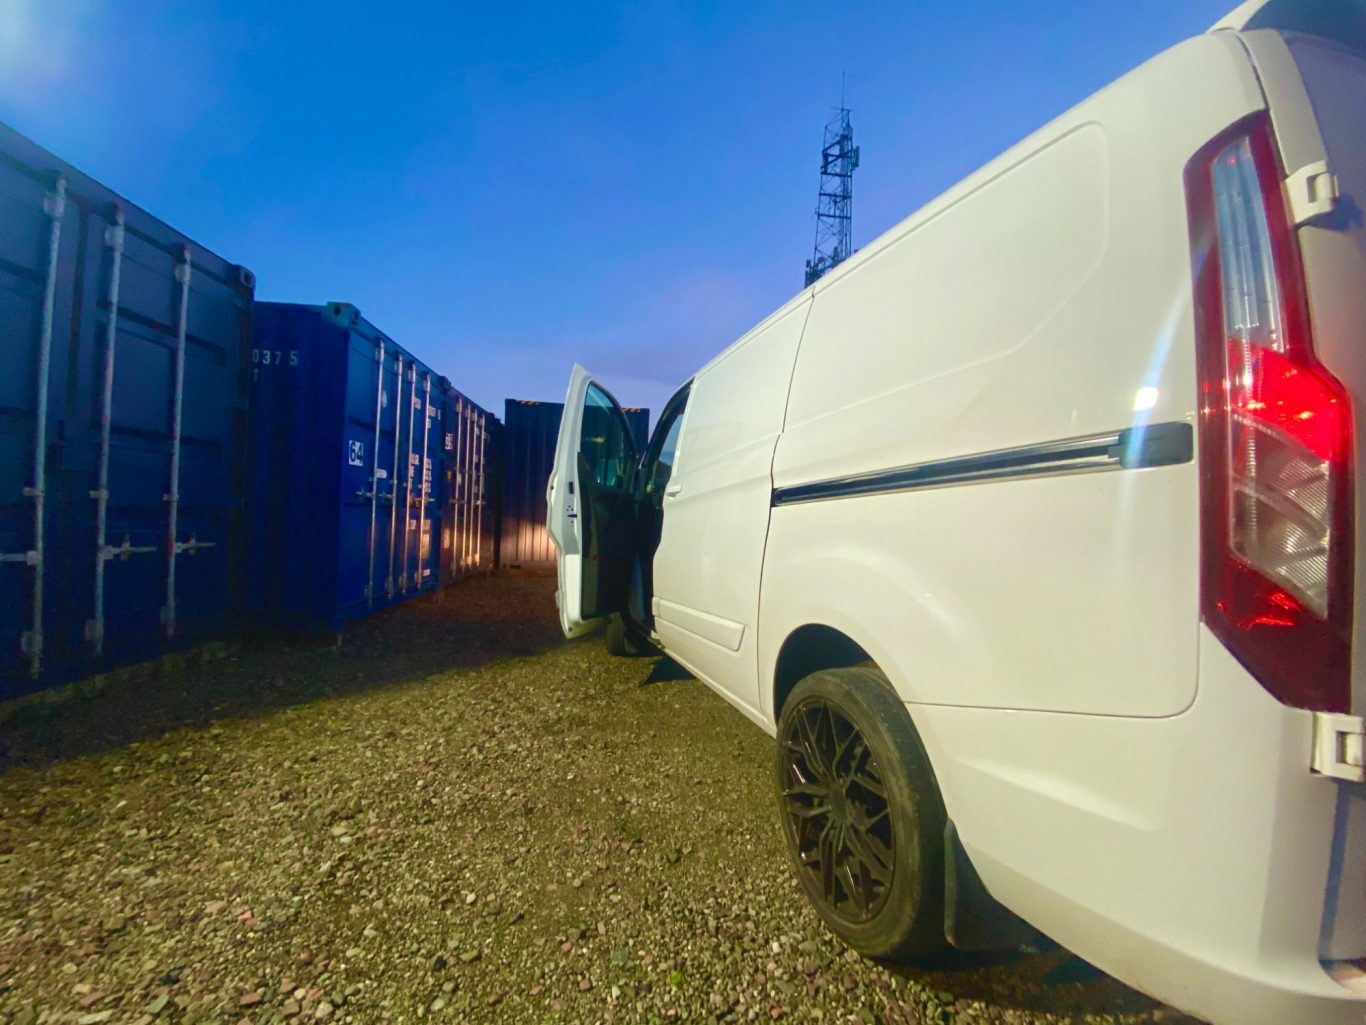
{"x":509,"y":189}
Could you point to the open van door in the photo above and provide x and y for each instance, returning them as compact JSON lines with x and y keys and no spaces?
{"x":591,"y":505}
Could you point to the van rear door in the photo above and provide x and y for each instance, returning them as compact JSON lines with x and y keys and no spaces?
{"x":1316,"y":93}
{"x":591,"y":505}
{"x":1315,"y":83}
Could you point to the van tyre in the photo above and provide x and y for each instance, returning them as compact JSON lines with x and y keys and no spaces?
{"x":624,"y":639}
{"x":862,"y":813}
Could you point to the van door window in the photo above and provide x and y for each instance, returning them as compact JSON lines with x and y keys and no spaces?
{"x":604,"y":442}
{"x":656,"y":469}
{"x":661,"y":469}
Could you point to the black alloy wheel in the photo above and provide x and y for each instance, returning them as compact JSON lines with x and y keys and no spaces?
{"x":837,"y":810}
{"x":862,"y":813}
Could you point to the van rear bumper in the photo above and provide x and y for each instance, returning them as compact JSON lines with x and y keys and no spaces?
{"x":1281,"y":990}
{"x":1191,"y":856}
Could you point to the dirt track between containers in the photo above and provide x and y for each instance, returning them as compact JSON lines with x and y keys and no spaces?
{"x":457,"y":817}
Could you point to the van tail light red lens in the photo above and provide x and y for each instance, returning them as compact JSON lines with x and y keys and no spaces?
{"x":1275,"y":435}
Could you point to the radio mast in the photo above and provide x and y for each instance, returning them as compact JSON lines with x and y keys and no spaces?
{"x":835,"y":203}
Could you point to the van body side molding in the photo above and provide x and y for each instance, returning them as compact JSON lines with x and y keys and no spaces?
{"x":1133,"y":448}
{"x":719,"y":631}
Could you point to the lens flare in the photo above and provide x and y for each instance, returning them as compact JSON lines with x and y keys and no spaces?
{"x":37,"y":40}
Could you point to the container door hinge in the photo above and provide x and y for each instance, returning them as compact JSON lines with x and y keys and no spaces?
{"x":1313,"y":192}
{"x":1338,"y":746}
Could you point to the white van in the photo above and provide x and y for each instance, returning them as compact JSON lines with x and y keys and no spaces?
{"x":1031,"y":533}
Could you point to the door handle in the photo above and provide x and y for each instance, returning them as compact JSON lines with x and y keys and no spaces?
{"x":673,"y":491}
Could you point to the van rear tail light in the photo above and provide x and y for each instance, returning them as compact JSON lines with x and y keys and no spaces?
{"x":1275,"y":435}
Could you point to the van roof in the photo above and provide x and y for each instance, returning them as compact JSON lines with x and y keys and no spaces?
{"x":1340,"y":20}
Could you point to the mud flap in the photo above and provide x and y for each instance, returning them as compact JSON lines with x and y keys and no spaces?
{"x":973,"y":919}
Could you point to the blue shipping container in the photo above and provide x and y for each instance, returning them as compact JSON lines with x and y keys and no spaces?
{"x":122,"y":427}
{"x":530,"y":430}
{"x":349,"y":435}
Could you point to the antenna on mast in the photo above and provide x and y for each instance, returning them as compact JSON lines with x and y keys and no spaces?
{"x":835,"y":201}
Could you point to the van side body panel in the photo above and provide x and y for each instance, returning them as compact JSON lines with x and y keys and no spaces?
{"x":1047,"y":297}
{"x":708,"y":565}
{"x":1021,"y":613}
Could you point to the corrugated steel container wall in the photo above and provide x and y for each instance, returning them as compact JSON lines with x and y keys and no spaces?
{"x":159,"y":416}
{"x":468,"y":509}
{"x":338,"y":415}
{"x":529,"y":433}
{"x":493,"y":494}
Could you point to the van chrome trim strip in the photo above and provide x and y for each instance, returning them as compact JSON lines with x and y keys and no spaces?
{"x":1163,"y":444}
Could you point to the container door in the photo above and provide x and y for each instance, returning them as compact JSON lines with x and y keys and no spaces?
{"x":468,"y":496}
{"x":446,"y":474}
{"x":357,"y":469}
{"x":483,"y":540}
{"x":35,"y":258}
{"x":389,"y":478}
{"x":591,"y":505}
{"x":429,"y":513}
{"x":459,"y":478}
{"x":282,"y":560}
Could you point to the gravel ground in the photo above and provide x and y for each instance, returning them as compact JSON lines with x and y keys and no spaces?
{"x":453,"y":817}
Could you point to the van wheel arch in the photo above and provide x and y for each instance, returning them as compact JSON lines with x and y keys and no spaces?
{"x":973,"y":919}
{"x":807,"y":650}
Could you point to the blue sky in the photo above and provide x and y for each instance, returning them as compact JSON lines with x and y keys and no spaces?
{"x":508,"y":189}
